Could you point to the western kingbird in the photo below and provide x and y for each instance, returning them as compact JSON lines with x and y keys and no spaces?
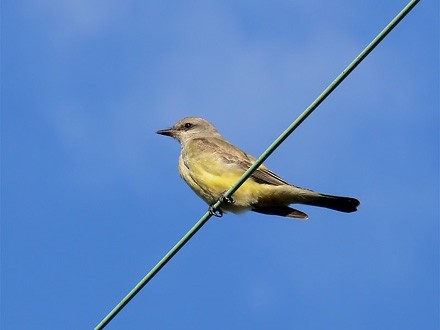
{"x":210,"y":165}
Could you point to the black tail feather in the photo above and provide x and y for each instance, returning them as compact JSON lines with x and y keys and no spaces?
{"x":338,"y":203}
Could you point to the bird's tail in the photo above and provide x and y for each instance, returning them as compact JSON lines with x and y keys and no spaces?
{"x":338,"y":203}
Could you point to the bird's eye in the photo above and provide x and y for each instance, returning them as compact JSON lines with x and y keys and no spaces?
{"x":188,"y":125}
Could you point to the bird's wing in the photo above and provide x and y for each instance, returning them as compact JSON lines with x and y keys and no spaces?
{"x":264,"y":175}
{"x":232,"y":155}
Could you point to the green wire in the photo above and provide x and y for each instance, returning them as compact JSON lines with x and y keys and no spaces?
{"x":258,"y":162}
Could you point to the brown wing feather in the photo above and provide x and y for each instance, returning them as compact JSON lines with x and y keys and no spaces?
{"x":230,"y":154}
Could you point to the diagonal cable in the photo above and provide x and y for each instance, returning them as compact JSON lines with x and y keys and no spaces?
{"x":258,"y":162}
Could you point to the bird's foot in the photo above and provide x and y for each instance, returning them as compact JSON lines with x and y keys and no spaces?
{"x":227,"y":200}
{"x":217,"y":213}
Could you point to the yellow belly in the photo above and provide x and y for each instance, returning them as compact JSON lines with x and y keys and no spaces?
{"x":211,"y":184}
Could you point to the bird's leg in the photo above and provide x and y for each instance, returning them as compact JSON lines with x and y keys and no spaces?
{"x":224,"y":200}
{"x":227,"y":200}
{"x":217,"y":213}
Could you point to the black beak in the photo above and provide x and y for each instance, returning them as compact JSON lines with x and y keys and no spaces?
{"x":167,"y":132}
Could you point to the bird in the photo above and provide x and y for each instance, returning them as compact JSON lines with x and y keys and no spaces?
{"x":210,"y":165}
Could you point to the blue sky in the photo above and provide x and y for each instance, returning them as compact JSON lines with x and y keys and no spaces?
{"x":91,"y":198}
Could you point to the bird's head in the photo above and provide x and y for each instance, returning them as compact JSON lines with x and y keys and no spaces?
{"x":190,"y":128}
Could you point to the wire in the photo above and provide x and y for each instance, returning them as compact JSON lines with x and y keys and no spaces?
{"x":258,"y":162}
